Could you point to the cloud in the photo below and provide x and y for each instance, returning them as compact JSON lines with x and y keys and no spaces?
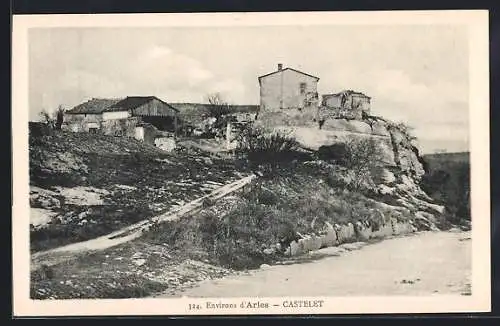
{"x":162,"y":70}
{"x":161,"y":64}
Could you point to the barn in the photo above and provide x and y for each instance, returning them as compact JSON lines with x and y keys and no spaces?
{"x":150,"y":109}
{"x":102,"y":114}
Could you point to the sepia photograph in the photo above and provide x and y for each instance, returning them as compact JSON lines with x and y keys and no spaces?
{"x":265,"y":163}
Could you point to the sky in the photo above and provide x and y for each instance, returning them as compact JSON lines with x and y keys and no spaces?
{"x":414,"y":74}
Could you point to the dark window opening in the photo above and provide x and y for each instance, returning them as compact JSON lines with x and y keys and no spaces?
{"x":303,"y":88}
{"x":93,"y":130}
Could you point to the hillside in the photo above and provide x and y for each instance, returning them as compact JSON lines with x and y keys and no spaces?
{"x":84,"y":185}
{"x":442,"y":161}
{"x":88,"y":185}
{"x":447,"y":180}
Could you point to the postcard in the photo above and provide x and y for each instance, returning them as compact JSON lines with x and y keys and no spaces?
{"x":251,"y":163}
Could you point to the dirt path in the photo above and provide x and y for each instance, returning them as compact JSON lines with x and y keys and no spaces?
{"x":421,"y":264}
{"x":64,"y":253}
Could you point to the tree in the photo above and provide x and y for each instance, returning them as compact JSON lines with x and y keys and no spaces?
{"x":363,"y":157}
{"x":59,"y":117}
{"x":47,"y":118}
{"x":218,"y":106}
{"x":404,"y":129}
{"x":55,"y":119}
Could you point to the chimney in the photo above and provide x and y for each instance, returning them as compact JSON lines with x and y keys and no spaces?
{"x":280,"y":66}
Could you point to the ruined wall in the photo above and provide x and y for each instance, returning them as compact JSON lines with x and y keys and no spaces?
{"x":120,"y":127}
{"x":332,"y":106}
{"x":81,"y":122}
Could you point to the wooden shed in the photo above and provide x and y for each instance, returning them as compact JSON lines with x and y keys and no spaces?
{"x":150,"y":109}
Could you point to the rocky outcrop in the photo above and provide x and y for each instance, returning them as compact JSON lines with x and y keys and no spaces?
{"x":397,"y":148}
{"x":396,"y":180}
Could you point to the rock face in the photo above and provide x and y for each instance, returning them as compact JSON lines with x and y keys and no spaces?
{"x":396,"y":179}
{"x":396,"y":148}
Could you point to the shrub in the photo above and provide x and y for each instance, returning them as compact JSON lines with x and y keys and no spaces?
{"x":269,"y":151}
{"x":336,"y":152}
{"x":362,"y":159}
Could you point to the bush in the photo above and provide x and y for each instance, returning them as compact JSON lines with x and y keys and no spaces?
{"x":336,"y":152}
{"x":363,"y":158}
{"x":268,"y":151}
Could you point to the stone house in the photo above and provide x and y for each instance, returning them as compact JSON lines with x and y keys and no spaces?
{"x":288,"y":89}
{"x":106,"y":115}
{"x":347,"y":104}
{"x":142,"y":117}
{"x":89,"y":115}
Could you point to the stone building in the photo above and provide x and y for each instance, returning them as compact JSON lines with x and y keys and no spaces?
{"x":347,"y":104}
{"x":115,"y":116}
{"x":288,"y":89}
{"x":145,"y":118}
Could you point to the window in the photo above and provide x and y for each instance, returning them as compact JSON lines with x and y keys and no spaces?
{"x":303,"y":88}
{"x":93,"y":130}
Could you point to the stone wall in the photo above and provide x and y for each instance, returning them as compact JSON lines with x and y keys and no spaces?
{"x":340,"y":234}
{"x":120,"y":127}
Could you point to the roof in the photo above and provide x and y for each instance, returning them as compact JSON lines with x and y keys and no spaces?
{"x":133,"y":102}
{"x":298,"y":71}
{"x":93,"y":106}
{"x":346,"y":92}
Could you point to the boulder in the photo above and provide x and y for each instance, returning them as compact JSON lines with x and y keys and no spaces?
{"x":294,"y":248}
{"x":384,"y":232}
{"x":402,"y":228}
{"x":364,"y":233}
{"x":330,"y":237}
{"x":139,"y":262}
{"x":346,"y":233}
{"x":316,"y":243}
{"x":386,"y":190}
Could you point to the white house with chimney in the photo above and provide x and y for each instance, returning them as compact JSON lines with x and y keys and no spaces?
{"x":288,"y":89}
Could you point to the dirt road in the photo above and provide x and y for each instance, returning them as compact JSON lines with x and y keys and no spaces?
{"x":421,"y":264}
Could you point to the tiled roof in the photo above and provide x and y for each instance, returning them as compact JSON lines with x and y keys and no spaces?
{"x":298,"y":71}
{"x":93,"y":106}
{"x":133,"y":102}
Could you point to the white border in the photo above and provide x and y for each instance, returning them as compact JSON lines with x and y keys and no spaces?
{"x":475,"y":20}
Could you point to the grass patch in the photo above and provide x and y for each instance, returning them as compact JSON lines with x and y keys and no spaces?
{"x":263,"y":223}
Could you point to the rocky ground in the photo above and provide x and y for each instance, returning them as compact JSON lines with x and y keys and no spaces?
{"x":133,"y":270}
{"x":83,"y":185}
